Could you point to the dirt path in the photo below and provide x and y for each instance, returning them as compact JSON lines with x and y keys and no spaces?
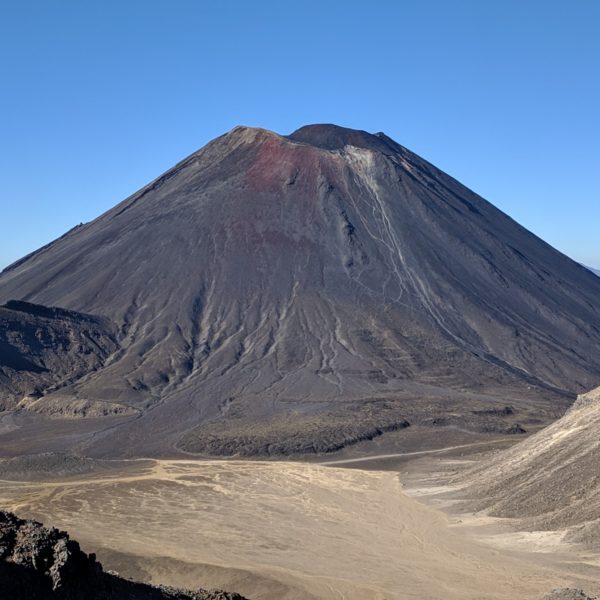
{"x":364,"y":459}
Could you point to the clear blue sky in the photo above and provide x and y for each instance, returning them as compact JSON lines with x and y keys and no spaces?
{"x":98,"y":97}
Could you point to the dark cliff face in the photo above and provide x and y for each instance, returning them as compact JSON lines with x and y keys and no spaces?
{"x":326,"y":275}
{"x":42,"y":348}
{"x":37,"y":563}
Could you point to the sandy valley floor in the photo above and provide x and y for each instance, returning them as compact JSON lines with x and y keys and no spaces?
{"x":278,"y":530}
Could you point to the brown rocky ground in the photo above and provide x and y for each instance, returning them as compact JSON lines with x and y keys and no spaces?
{"x":275,"y":530}
{"x":550,"y":481}
{"x":568,"y":594}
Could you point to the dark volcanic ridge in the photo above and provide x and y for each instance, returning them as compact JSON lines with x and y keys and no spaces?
{"x":274,"y":294}
{"x":595,"y":271}
{"x":43,"y":349}
{"x":37,"y":563}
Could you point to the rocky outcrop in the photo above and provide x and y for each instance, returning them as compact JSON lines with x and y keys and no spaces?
{"x":37,"y":563}
{"x":590,"y":398}
{"x":45,"y":348}
{"x":302,"y":435}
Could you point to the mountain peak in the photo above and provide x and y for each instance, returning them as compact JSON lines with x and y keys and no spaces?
{"x":335,"y":137}
{"x":326,"y":136}
{"x":246,"y":133}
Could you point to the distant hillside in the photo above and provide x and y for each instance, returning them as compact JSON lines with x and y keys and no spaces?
{"x":551,"y":479}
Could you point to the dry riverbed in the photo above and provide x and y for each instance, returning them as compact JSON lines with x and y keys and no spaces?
{"x":277,"y":530}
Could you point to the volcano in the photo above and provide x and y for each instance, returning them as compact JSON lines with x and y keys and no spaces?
{"x":278,"y":294}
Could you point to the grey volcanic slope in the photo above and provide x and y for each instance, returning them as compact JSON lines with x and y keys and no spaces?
{"x":320,"y":288}
{"x":595,"y":271}
{"x":550,"y":481}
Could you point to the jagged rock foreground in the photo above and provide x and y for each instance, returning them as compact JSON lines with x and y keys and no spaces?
{"x":549,"y":481}
{"x":37,"y":563}
{"x":276,"y":294}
